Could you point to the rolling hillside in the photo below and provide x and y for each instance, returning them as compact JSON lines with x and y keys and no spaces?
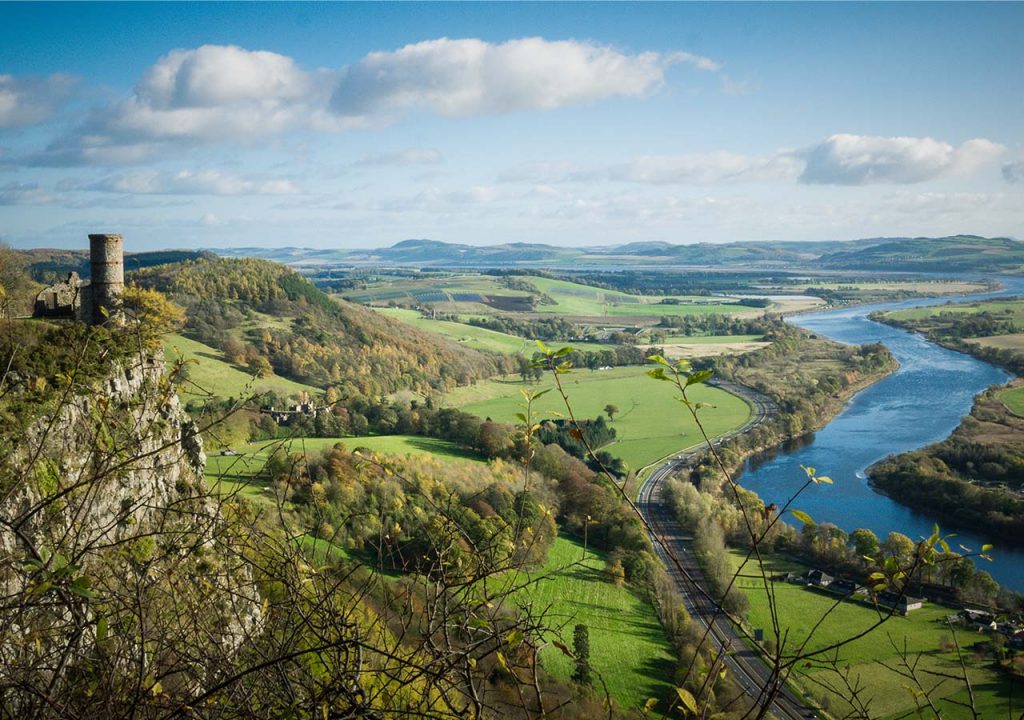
{"x":313,"y":339}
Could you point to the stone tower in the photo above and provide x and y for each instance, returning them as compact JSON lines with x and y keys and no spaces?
{"x":106,"y":257}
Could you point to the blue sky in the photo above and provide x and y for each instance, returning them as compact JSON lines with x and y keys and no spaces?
{"x":360,"y":125}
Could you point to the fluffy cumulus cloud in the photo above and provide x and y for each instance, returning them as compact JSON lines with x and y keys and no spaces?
{"x":1013,"y":172}
{"x":29,"y":100}
{"x":216,"y":93}
{"x":863,"y":160}
{"x":211,"y":93}
{"x":186,"y":182}
{"x":457,"y":78}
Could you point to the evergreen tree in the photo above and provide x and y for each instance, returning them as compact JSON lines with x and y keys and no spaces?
{"x":581,"y":648}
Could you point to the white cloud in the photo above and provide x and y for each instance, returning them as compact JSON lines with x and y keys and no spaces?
{"x":838,"y":160}
{"x":29,"y":100}
{"x":24,"y":194}
{"x":861,"y":160}
{"x":457,"y":78}
{"x":708,"y":168}
{"x":412,"y":156}
{"x":1013,"y":171}
{"x":224,"y":92}
{"x":693,"y":169}
{"x":186,"y":182}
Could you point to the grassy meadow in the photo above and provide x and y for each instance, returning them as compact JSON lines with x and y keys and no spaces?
{"x":1009,"y":308}
{"x":1013,"y":399}
{"x":651,"y":423}
{"x":923,"y":633}
{"x":464,"y":293}
{"x":209,"y":374}
{"x":238,"y":472}
{"x":472,"y":337}
{"x":627,"y":644}
{"x":576,"y":300}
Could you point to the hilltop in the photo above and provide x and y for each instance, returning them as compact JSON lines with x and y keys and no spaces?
{"x":266,"y":317}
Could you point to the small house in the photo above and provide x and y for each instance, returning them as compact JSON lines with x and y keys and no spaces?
{"x":818,"y":578}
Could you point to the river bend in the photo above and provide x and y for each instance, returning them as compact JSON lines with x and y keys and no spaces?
{"x":919,"y":404}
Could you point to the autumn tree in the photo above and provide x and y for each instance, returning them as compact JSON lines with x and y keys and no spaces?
{"x":154,"y":314}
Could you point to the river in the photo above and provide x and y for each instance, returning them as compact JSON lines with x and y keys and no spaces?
{"x":919,"y":404}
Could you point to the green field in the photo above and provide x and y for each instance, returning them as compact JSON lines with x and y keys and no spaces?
{"x":236,"y":472}
{"x":650,"y":425}
{"x":573,"y":299}
{"x":627,"y":644}
{"x":450,"y":293}
{"x":707,"y":339}
{"x":412,"y":290}
{"x":923,"y":632}
{"x":1008,"y":308}
{"x":210,"y":375}
{"x":473,"y":337}
{"x":1013,"y":399}
{"x":476,"y":337}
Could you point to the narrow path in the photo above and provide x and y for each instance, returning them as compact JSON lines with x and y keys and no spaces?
{"x":748,"y":667}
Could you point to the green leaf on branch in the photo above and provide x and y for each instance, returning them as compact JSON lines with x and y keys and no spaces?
{"x":686,"y":700}
{"x":698,"y":377}
{"x":659,"y":374}
{"x":803,"y":517}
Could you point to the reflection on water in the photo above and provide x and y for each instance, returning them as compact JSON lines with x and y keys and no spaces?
{"x":919,"y":404}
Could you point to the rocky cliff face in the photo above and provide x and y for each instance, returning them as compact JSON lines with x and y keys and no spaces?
{"x":111,"y":549}
{"x":115,"y":456}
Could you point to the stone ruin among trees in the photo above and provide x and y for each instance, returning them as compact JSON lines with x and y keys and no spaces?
{"x":97,"y":300}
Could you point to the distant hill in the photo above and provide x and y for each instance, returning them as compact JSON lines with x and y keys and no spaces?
{"x":960,"y":253}
{"x":47,"y":265}
{"x":258,"y":311}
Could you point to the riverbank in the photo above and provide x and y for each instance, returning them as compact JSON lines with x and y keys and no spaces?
{"x":991,"y":330}
{"x":974,"y":478}
{"x":807,"y":378}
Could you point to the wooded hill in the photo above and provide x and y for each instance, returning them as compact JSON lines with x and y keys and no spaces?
{"x":310,"y":337}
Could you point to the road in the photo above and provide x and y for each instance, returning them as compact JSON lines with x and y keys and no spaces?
{"x":748,"y":668}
